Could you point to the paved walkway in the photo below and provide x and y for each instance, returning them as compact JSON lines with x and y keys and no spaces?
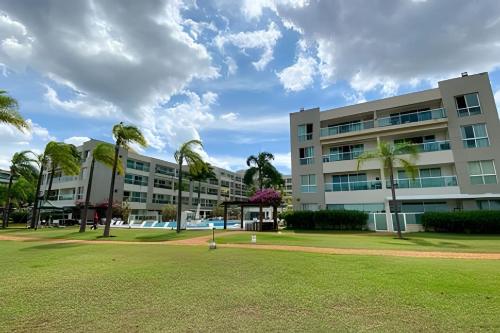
{"x":202,"y":241}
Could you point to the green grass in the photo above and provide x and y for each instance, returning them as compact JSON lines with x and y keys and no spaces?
{"x":422,"y":241}
{"x":127,"y":235}
{"x":138,"y":288}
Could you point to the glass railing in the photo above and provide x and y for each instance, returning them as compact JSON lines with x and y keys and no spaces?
{"x":66,"y":197}
{"x":353,"y":186}
{"x":443,"y":181}
{"x":306,"y":160}
{"x":433,"y":146}
{"x":341,"y":156}
{"x":346,"y":128}
{"x":305,"y":137}
{"x":412,"y":117}
{"x":64,"y":179}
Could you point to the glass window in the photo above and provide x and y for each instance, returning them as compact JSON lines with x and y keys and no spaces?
{"x":137,"y":165}
{"x":488,"y":204}
{"x":468,"y":105}
{"x":136,"y":179}
{"x":308,"y":183}
{"x":310,"y":206}
{"x":306,"y":155}
{"x":305,"y":132}
{"x":475,"y":136}
{"x":482,"y":172}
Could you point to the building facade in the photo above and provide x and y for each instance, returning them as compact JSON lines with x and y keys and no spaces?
{"x":147,"y":185}
{"x":455,"y":128}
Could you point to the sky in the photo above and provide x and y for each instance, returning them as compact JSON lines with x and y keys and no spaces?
{"x":226,"y":72}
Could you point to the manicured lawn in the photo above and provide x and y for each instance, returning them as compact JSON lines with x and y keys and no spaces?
{"x":137,"y":235}
{"x":422,"y":241}
{"x":138,"y":288}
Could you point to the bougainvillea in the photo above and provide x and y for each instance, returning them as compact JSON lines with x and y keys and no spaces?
{"x":267,"y":196}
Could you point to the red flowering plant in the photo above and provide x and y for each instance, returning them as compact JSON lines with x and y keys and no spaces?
{"x":267,"y":196}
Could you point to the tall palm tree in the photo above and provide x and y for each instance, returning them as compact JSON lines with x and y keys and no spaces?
{"x":389,"y":157}
{"x":125,"y":135}
{"x":56,"y":156}
{"x":9,"y":113}
{"x":21,"y":165}
{"x":261,"y":169}
{"x":186,"y":153}
{"x":103,"y":153}
{"x":199,"y":174}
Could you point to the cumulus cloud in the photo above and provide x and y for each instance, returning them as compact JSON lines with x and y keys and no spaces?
{"x":298,"y":76}
{"x":76,"y":140}
{"x":381,"y":45}
{"x":497,"y":100}
{"x":264,"y":40}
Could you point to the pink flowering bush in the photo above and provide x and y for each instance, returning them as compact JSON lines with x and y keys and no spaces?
{"x":267,"y":196}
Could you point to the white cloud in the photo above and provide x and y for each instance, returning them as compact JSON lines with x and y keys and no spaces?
{"x":76,"y":140}
{"x":298,"y":76}
{"x":497,"y":100}
{"x":264,"y":40}
{"x":231,"y":116}
{"x":232,"y":67}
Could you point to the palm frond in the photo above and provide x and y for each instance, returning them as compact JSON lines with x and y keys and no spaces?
{"x":105,"y":153}
{"x":250,"y":173}
{"x":9,"y":113}
{"x":410,"y":168}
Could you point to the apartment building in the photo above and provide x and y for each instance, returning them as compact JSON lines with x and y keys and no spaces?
{"x":4,"y":177}
{"x":147,"y":186}
{"x":454,"y":126}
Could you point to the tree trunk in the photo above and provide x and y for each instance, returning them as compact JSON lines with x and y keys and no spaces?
{"x":261,"y":217}
{"x":275,"y":217}
{"x":393,"y":191}
{"x":260,"y":179}
{"x":5,"y":222}
{"x":109,"y":212}
{"x":34,"y":215}
{"x":47,"y":193}
{"x":83,"y":222}
{"x":198,"y":206}
{"x":179,"y":195}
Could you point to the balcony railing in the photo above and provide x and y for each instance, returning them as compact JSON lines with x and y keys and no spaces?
{"x":443,"y":181}
{"x":354,"y":186}
{"x":341,"y":156}
{"x":305,"y":137}
{"x":306,"y":160}
{"x":346,"y":128}
{"x":65,"y":197}
{"x":433,"y":146}
{"x":64,"y":179}
{"x":412,"y":117}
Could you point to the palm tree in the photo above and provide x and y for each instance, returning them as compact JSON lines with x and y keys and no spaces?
{"x":9,"y":113}
{"x":389,"y":157}
{"x":21,"y":165}
{"x":200,"y":174}
{"x":103,"y":153}
{"x":186,"y":153}
{"x":260,"y":167}
{"x":125,"y":135}
{"x":57,"y":156}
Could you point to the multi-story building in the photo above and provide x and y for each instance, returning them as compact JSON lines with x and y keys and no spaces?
{"x":457,"y":132}
{"x":4,"y":177}
{"x":147,"y":185}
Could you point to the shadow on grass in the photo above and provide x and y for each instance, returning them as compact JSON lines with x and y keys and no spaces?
{"x":158,"y":237}
{"x":51,"y":246}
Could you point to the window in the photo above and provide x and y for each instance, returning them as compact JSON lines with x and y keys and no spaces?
{"x":310,"y":206}
{"x":163,"y":183}
{"x":306,"y":155}
{"x":305,"y":132}
{"x":138,"y":165}
{"x":488,"y":204}
{"x":475,"y":136}
{"x":136,"y":180}
{"x":161,"y":198}
{"x":308,"y":183}
{"x":482,"y":172}
{"x":350,"y":182}
{"x":135,"y":196}
{"x":164,"y":170}
{"x":368,"y":207}
{"x":344,"y":153}
{"x":468,"y":105}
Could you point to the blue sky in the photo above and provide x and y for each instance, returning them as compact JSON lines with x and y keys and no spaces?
{"x":226,"y":72}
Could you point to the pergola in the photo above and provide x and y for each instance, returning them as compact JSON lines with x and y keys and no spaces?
{"x":244,"y":204}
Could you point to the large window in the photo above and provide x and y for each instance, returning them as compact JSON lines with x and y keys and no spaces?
{"x":475,"y":136}
{"x":364,"y":207}
{"x":310,"y":206}
{"x":165,"y":170}
{"x":135,"y":196}
{"x":161,"y":198}
{"x":349,"y":182}
{"x":163,"y":183}
{"x":343,"y":153}
{"x":308,"y":183}
{"x":306,"y":155}
{"x":468,"y":105}
{"x":136,"y":179}
{"x":488,"y":204}
{"x":482,"y":172}
{"x":138,"y":165}
{"x":305,"y":132}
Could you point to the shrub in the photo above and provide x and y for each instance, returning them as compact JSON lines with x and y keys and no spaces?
{"x":19,"y":216}
{"x":326,"y":220}
{"x":462,"y":222}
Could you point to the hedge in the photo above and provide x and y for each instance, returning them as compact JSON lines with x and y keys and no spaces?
{"x":477,"y":222}
{"x":19,"y":216}
{"x":326,"y":220}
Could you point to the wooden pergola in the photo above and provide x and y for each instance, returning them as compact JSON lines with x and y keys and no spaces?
{"x":244,"y":204}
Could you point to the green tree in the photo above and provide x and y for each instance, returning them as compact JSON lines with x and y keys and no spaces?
{"x":390,"y":158}
{"x":9,"y":112}
{"x":199,"y":174}
{"x":169,"y":212}
{"x":262,"y":172}
{"x":186,"y":154}
{"x":21,"y":165}
{"x":102,"y":153}
{"x":125,"y":135}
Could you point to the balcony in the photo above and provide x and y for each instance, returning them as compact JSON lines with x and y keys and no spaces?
{"x":412,"y":117}
{"x":433,"y":146}
{"x":443,"y":181}
{"x":354,"y":186}
{"x":70,"y":196}
{"x":306,"y":160}
{"x":346,"y":128}
{"x":352,"y":155}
